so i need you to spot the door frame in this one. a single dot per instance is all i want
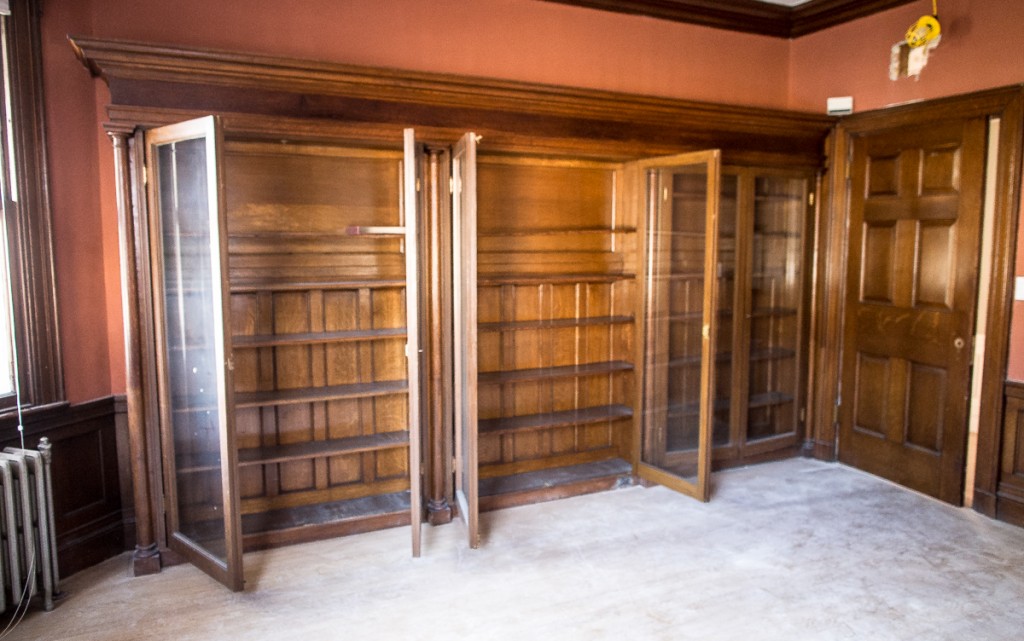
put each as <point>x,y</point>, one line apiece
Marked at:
<point>831,255</point>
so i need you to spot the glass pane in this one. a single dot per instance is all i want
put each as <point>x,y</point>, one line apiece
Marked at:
<point>775,300</point>
<point>194,341</point>
<point>727,207</point>
<point>675,299</point>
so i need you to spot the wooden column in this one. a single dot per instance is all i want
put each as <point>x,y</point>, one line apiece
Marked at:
<point>146,557</point>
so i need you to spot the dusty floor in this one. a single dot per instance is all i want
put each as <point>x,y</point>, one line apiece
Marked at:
<point>790,551</point>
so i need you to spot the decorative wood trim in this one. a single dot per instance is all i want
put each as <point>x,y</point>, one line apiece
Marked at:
<point>28,222</point>
<point>997,341</point>
<point>145,558</point>
<point>1007,502</point>
<point>165,77</point>
<point>748,16</point>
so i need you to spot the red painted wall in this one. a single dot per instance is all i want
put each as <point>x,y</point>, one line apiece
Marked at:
<point>511,39</point>
<point>982,46</point>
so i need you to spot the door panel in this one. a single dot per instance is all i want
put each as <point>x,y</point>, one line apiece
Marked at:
<point>188,237</point>
<point>915,217</point>
<point>467,487</point>
<point>680,200</point>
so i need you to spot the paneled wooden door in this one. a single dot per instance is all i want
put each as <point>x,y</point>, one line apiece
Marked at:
<point>915,219</point>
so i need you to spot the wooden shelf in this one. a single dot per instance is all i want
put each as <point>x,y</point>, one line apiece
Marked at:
<point>378,230</point>
<point>554,323</point>
<point>554,279</point>
<point>313,338</point>
<point>248,287</point>
<point>310,516</point>
<point>566,371</point>
<point>616,468</point>
<point>769,399</point>
<point>776,234</point>
<point>314,394</point>
<point>564,418</point>
<point>764,312</point>
<point>321,449</point>
<point>771,353</point>
<point>554,231</point>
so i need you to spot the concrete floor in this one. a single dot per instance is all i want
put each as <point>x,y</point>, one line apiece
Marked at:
<point>790,551</point>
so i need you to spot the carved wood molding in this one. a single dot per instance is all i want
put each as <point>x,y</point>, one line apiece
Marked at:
<point>169,77</point>
<point>746,15</point>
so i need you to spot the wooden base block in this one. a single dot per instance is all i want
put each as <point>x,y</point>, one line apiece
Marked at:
<point>146,560</point>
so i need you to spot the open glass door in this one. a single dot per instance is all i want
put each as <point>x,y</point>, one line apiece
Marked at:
<point>410,220</point>
<point>677,198</point>
<point>467,488</point>
<point>189,258</point>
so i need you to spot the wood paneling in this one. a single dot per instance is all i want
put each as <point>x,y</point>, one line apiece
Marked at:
<point>1010,489</point>
<point>92,502</point>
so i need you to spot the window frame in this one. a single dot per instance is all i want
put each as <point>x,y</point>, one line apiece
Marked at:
<point>29,231</point>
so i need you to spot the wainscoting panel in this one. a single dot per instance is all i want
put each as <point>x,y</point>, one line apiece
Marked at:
<point>87,477</point>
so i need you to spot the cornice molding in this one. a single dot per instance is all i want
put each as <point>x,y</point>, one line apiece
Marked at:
<point>170,77</point>
<point>747,16</point>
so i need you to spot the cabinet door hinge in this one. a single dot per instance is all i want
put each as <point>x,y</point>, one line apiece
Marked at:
<point>451,184</point>
<point>810,199</point>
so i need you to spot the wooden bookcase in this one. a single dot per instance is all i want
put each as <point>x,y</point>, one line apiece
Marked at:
<point>317,288</point>
<point>555,321</point>
<point>305,256</point>
<point>764,218</point>
<point>535,327</point>
<point>767,217</point>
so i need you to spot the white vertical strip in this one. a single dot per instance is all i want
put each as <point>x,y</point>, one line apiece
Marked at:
<point>984,294</point>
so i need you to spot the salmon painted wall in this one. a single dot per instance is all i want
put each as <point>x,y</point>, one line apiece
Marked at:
<point>511,39</point>
<point>982,46</point>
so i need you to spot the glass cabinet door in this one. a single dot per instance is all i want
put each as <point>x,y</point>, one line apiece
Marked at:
<point>774,309</point>
<point>680,312</point>
<point>188,254</point>
<point>464,246</point>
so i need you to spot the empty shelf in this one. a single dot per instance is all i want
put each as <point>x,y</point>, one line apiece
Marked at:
<point>313,394</point>
<point>555,419</point>
<point>312,338</point>
<point>567,371</point>
<point>318,449</point>
<point>555,323</point>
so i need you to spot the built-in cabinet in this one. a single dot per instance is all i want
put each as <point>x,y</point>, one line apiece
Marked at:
<point>612,321</point>
<point>602,311</point>
<point>285,286</point>
<point>766,217</point>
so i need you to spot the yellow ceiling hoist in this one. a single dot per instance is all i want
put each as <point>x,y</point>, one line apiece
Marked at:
<point>925,30</point>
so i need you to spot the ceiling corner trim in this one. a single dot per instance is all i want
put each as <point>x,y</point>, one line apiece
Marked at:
<point>747,16</point>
